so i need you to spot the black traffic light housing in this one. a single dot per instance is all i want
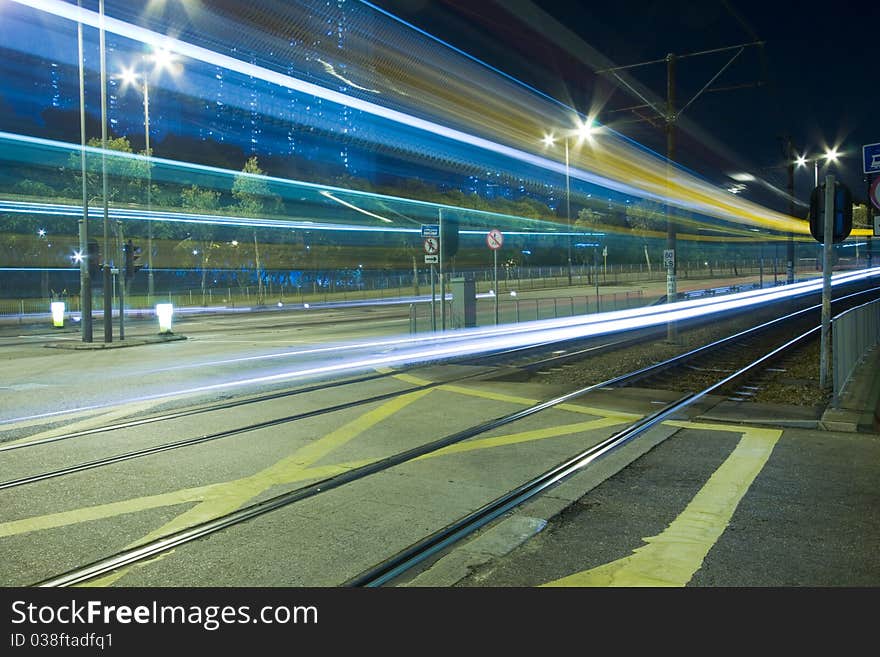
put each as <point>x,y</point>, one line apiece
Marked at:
<point>93,260</point>
<point>132,254</point>
<point>449,235</point>
<point>842,213</point>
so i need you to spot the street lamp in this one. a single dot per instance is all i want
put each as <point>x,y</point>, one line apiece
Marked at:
<point>584,131</point>
<point>831,156</point>
<point>162,59</point>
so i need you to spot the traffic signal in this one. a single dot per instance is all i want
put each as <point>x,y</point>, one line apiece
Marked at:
<point>93,260</point>
<point>132,254</point>
<point>843,205</point>
<point>449,235</point>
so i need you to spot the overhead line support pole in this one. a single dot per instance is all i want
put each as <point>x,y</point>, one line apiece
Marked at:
<point>671,287</point>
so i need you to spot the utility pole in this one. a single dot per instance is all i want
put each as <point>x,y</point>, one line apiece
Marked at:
<point>671,287</point>
<point>670,116</point>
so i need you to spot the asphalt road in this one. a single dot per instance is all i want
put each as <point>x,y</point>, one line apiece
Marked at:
<point>688,514</point>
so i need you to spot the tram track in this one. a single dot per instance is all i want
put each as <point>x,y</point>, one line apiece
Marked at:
<point>157,547</point>
<point>520,358</point>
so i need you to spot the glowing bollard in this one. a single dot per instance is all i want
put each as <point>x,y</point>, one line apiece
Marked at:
<point>164,311</point>
<point>57,313</point>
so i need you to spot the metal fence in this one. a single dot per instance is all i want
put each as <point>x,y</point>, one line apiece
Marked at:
<point>854,333</point>
<point>511,311</point>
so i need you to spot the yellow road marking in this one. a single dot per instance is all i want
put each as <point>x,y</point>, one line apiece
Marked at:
<point>230,496</point>
<point>217,499</point>
<point>84,424</point>
<point>524,437</point>
<point>672,557</point>
<point>512,399</point>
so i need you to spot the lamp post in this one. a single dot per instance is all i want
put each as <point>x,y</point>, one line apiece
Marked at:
<point>162,59</point>
<point>108,297</point>
<point>85,276</point>
<point>584,131</point>
<point>830,156</point>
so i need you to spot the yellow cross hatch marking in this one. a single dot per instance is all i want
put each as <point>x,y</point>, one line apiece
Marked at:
<point>672,557</point>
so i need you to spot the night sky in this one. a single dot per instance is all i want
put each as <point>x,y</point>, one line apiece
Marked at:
<point>815,76</point>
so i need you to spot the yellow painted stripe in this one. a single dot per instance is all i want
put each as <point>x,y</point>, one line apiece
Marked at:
<point>228,497</point>
<point>520,401</point>
<point>87,423</point>
<point>672,557</point>
<point>415,380</point>
<point>232,495</point>
<point>524,437</point>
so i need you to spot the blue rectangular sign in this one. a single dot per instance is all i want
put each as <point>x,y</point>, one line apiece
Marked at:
<point>430,230</point>
<point>871,158</point>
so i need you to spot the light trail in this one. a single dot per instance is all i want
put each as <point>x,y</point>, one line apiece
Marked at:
<point>73,210</point>
<point>483,341</point>
<point>611,162</point>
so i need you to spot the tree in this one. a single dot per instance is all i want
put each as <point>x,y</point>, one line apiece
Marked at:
<point>201,237</point>
<point>254,198</point>
<point>646,217</point>
<point>126,175</point>
<point>252,192</point>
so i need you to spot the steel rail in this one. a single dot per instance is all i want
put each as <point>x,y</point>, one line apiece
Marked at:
<point>197,440</point>
<point>432,545</point>
<point>154,548</point>
<point>117,426</point>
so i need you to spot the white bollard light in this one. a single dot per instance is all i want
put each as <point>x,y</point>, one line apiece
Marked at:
<point>57,308</point>
<point>164,311</point>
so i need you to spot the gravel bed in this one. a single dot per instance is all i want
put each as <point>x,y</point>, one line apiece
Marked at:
<point>792,380</point>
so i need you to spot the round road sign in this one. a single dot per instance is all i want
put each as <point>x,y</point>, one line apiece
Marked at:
<point>875,193</point>
<point>494,239</point>
<point>432,245</point>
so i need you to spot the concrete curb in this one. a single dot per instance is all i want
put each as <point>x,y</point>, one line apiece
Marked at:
<point>135,342</point>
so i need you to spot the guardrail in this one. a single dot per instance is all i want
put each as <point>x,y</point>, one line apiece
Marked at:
<point>853,334</point>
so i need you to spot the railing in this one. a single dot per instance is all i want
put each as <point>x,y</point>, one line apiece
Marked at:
<point>853,334</point>
<point>373,286</point>
<point>512,311</point>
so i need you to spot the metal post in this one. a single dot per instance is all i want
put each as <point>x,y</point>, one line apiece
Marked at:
<point>761,264</point>
<point>150,288</point>
<point>442,280</point>
<point>790,264</point>
<point>825,355</point>
<point>260,274</point>
<point>415,278</point>
<point>108,297</point>
<point>121,277</point>
<point>495,258</point>
<point>568,207</point>
<point>671,291</point>
<point>85,275</point>
<point>433,301</point>
<point>869,210</point>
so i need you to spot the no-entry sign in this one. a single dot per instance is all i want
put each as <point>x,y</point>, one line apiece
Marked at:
<point>494,239</point>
